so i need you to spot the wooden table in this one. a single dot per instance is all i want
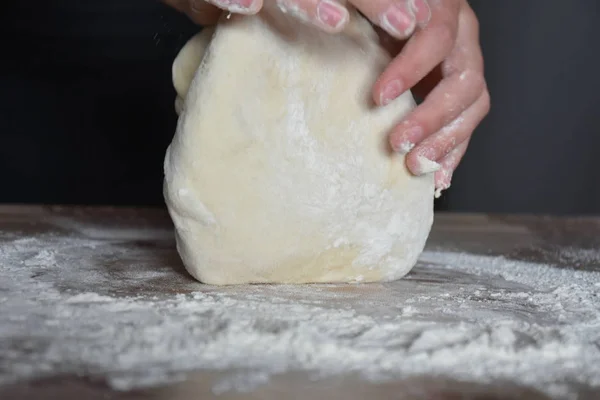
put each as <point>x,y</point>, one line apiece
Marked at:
<point>144,240</point>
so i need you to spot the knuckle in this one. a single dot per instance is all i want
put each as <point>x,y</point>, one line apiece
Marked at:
<point>471,16</point>
<point>476,79</point>
<point>486,101</point>
<point>478,61</point>
<point>449,68</point>
<point>475,24</point>
<point>445,34</point>
<point>472,20</point>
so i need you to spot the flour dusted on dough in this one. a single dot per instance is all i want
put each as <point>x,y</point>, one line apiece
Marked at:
<point>280,169</point>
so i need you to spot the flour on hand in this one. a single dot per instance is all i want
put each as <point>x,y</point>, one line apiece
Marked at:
<point>280,170</point>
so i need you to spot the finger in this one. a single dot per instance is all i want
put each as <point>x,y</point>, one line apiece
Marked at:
<point>235,6</point>
<point>426,49</point>
<point>421,11</point>
<point>203,13</point>
<point>328,15</point>
<point>396,17</point>
<point>444,105</point>
<point>443,177</point>
<point>461,85</point>
<point>435,148</point>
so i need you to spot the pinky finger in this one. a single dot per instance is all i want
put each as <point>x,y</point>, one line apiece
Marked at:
<point>425,157</point>
<point>449,162</point>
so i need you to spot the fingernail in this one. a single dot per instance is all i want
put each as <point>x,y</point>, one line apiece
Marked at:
<point>403,141</point>
<point>444,180</point>
<point>398,21</point>
<point>413,134</point>
<point>292,8</point>
<point>439,190</point>
<point>332,14</point>
<point>426,166</point>
<point>421,10</point>
<point>391,92</point>
<point>405,147</point>
<point>236,6</point>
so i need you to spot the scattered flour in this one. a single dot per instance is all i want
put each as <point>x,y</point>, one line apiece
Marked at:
<point>480,318</point>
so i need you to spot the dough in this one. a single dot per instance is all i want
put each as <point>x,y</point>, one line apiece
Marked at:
<point>280,169</point>
<point>186,64</point>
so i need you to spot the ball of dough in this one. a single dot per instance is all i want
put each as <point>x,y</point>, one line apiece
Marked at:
<point>280,169</point>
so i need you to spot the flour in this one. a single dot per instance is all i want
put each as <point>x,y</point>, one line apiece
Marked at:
<point>452,127</point>
<point>457,315</point>
<point>426,166</point>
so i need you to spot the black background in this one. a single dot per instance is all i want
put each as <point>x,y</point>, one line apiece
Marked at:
<point>86,105</point>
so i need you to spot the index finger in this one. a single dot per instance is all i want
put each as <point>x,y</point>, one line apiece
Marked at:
<point>425,50</point>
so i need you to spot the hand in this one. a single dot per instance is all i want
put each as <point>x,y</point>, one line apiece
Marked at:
<point>442,63</point>
<point>398,17</point>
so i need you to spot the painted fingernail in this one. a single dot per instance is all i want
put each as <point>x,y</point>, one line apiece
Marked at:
<point>421,10</point>
<point>398,21</point>
<point>332,14</point>
<point>235,6</point>
<point>391,92</point>
<point>426,166</point>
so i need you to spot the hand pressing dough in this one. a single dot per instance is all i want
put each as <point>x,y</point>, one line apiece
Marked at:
<point>280,171</point>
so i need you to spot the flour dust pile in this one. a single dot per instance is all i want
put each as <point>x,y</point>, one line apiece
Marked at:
<point>63,311</point>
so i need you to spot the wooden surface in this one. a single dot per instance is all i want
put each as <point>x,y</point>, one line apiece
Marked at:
<point>520,238</point>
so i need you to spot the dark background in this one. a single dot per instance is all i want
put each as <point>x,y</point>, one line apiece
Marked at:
<point>86,105</point>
